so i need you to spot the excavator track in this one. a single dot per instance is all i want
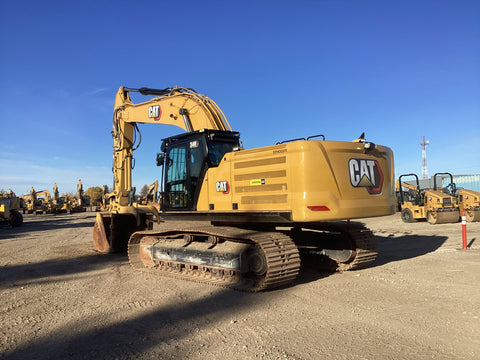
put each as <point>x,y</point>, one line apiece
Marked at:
<point>339,247</point>
<point>273,259</point>
<point>365,251</point>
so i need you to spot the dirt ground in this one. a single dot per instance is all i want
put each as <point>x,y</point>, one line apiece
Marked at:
<point>61,299</point>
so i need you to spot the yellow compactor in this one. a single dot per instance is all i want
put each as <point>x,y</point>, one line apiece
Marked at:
<point>244,216</point>
<point>434,205</point>
<point>467,200</point>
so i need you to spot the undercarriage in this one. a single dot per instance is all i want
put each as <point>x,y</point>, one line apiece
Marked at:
<point>249,259</point>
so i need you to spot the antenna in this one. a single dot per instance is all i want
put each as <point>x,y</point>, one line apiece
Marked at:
<point>424,158</point>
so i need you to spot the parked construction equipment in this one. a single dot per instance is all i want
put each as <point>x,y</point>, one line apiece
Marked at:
<point>151,197</point>
<point>42,202</point>
<point>37,202</point>
<point>431,204</point>
<point>62,204</point>
<point>261,207</point>
<point>151,194</point>
<point>467,200</point>
<point>10,206</point>
<point>79,202</point>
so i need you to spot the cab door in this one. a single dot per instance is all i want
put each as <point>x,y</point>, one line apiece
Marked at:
<point>183,173</point>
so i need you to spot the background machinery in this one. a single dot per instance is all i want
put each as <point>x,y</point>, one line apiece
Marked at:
<point>62,204</point>
<point>244,215</point>
<point>434,205</point>
<point>151,195</point>
<point>467,200</point>
<point>10,206</point>
<point>37,202</point>
<point>70,203</point>
<point>79,202</point>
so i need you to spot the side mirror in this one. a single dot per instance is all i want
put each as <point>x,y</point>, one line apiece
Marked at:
<point>160,159</point>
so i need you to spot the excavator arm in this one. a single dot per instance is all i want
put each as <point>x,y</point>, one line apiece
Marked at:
<point>177,106</point>
<point>152,191</point>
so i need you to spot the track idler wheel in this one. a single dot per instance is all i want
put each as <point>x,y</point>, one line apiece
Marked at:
<point>257,263</point>
<point>359,250</point>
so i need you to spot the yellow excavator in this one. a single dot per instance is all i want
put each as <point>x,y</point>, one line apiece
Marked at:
<point>64,203</point>
<point>10,206</point>
<point>244,216</point>
<point>38,202</point>
<point>151,195</point>
<point>434,205</point>
<point>468,200</point>
<point>79,202</point>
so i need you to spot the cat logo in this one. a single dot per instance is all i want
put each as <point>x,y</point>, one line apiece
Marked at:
<point>154,112</point>
<point>223,186</point>
<point>366,173</point>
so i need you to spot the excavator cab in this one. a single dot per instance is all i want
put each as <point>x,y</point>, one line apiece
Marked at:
<point>186,159</point>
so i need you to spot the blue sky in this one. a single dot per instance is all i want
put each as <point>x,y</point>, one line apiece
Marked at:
<point>396,70</point>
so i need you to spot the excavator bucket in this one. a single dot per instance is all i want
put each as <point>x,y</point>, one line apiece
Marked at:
<point>101,233</point>
<point>111,232</point>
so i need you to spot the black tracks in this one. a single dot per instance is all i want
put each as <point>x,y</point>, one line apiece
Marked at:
<point>279,251</point>
<point>281,255</point>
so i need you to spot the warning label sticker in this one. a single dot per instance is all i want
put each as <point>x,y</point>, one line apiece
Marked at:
<point>255,182</point>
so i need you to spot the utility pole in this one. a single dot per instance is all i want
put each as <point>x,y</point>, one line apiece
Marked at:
<point>424,158</point>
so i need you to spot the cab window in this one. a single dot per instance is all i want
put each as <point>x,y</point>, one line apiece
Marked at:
<point>216,151</point>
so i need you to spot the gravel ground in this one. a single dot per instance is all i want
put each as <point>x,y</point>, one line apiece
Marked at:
<point>61,299</point>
